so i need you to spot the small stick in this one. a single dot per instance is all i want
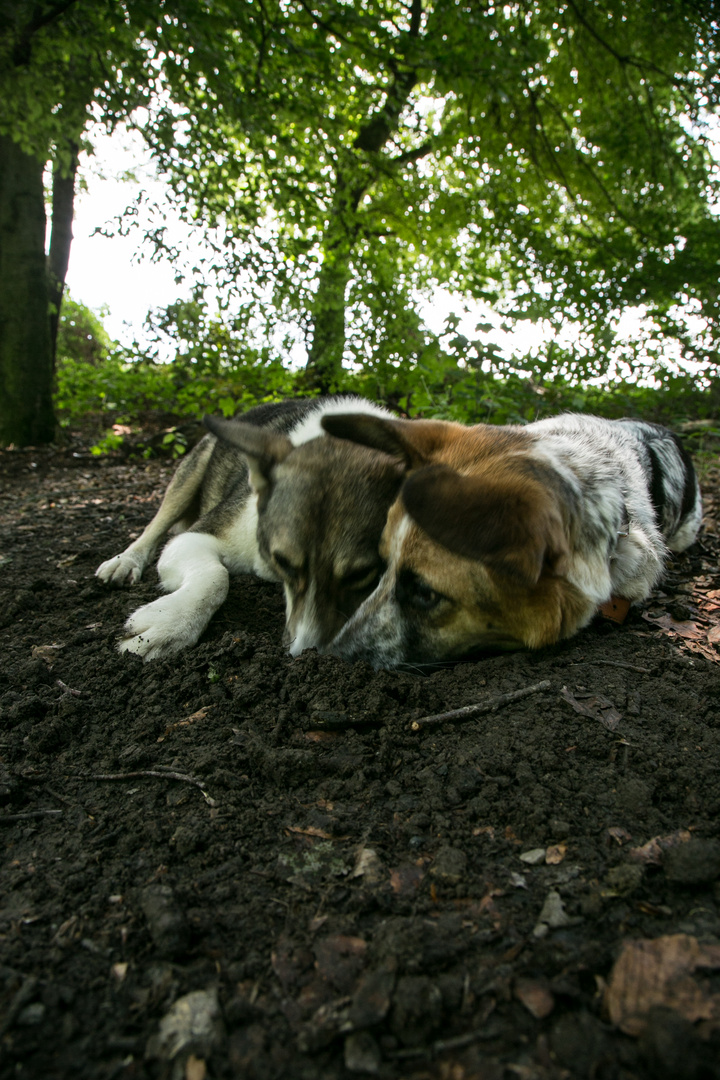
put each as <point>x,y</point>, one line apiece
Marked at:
<point>28,814</point>
<point>151,772</point>
<point>490,705</point>
<point>60,798</point>
<point>68,689</point>
<point>619,663</point>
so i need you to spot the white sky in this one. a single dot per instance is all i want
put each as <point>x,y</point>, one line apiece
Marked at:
<point>109,271</point>
<point>115,273</point>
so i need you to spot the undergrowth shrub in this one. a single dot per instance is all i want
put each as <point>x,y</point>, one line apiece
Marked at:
<point>106,389</point>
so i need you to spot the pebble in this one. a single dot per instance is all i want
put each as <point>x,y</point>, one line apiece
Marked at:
<point>625,878</point>
<point>369,866</point>
<point>31,1015</point>
<point>362,1053</point>
<point>534,857</point>
<point>371,1000</point>
<point>191,1026</point>
<point>552,916</point>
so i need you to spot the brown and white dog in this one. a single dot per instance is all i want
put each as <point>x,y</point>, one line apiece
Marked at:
<point>269,494</point>
<point>515,536</point>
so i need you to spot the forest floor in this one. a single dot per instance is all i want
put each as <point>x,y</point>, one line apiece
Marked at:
<point>238,864</point>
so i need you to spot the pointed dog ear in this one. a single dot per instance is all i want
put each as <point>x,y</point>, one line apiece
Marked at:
<point>513,526</point>
<point>262,447</point>
<point>411,442</point>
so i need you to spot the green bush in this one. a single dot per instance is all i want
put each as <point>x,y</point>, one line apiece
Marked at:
<point>100,384</point>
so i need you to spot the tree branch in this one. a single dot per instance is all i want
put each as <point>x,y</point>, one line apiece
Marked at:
<point>581,160</point>
<point>374,134</point>
<point>413,155</point>
<point>23,46</point>
<point>641,65</point>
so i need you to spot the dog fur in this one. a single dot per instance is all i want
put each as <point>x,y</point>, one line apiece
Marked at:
<point>269,494</point>
<point>514,536</point>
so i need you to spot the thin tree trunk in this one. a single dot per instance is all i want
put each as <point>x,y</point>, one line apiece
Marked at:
<point>355,174</point>
<point>328,343</point>
<point>26,412</point>
<point>324,364</point>
<point>63,199</point>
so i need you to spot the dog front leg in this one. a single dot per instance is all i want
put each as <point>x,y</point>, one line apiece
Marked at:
<point>196,582</point>
<point>128,566</point>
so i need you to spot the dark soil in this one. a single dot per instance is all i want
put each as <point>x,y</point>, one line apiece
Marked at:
<point>341,894</point>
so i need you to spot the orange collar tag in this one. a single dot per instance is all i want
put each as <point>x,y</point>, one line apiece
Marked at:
<point>616,609</point>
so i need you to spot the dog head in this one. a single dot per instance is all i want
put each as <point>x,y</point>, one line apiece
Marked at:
<point>476,545</point>
<point>322,507</point>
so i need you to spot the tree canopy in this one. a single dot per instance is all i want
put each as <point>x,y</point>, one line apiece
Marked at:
<point>550,159</point>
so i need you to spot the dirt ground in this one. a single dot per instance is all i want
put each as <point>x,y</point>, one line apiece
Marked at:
<point>236,864</point>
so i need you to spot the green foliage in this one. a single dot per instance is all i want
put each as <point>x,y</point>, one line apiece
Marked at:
<point>57,61</point>
<point>176,442</point>
<point>110,442</point>
<point>450,378</point>
<point>550,159</point>
<point>100,383</point>
<point>122,388</point>
<point>63,64</point>
<point>201,343</point>
<point>81,334</point>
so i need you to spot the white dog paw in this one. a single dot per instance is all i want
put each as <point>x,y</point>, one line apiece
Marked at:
<point>159,629</point>
<point>122,569</point>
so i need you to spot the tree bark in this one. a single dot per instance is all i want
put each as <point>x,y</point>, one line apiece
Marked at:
<point>328,343</point>
<point>354,176</point>
<point>26,411</point>
<point>63,200</point>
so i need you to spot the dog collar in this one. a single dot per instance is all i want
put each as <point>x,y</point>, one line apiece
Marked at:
<point>616,609</point>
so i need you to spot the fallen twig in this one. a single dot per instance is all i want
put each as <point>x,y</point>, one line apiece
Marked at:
<point>469,711</point>
<point>68,689</point>
<point>28,814</point>
<point>160,774</point>
<point>60,798</point>
<point>620,664</point>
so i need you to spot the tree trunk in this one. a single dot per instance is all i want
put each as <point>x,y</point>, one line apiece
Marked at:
<point>324,364</point>
<point>355,173</point>
<point>26,412</point>
<point>328,344</point>
<point>63,199</point>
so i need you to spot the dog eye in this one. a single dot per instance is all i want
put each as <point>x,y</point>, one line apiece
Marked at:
<point>362,578</point>
<point>284,565</point>
<point>413,591</point>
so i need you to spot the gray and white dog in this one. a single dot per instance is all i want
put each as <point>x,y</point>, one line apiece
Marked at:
<point>516,536</point>
<point>269,494</point>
